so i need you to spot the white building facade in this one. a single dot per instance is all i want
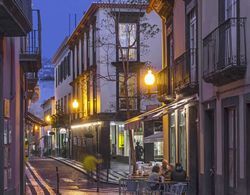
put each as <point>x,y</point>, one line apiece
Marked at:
<point>98,76</point>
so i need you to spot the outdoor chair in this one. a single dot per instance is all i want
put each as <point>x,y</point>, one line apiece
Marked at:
<point>153,188</point>
<point>175,189</point>
<point>128,186</point>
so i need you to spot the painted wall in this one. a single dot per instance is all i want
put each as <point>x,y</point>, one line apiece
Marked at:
<point>64,88</point>
<point>238,88</point>
<point>149,54</point>
<point>11,91</point>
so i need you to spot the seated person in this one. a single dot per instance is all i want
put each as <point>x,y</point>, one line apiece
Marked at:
<point>178,174</point>
<point>166,169</point>
<point>155,178</point>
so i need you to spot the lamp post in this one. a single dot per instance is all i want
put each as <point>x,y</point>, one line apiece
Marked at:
<point>48,120</point>
<point>75,106</point>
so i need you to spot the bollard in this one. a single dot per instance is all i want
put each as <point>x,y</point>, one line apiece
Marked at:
<point>97,178</point>
<point>57,182</point>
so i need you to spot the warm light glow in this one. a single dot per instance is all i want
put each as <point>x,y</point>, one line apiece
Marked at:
<point>149,78</point>
<point>36,127</point>
<point>75,104</point>
<point>86,125</point>
<point>48,118</point>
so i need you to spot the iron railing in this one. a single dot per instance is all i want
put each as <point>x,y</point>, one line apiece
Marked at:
<point>163,81</point>
<point>31,76</point>
<point>31,44</point>
<point>185,69</point>
<point>225,47</point>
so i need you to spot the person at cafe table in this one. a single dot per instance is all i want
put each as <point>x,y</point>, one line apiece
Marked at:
<point>178,174</point>
<point>155,177</point>
<point>166,168</point>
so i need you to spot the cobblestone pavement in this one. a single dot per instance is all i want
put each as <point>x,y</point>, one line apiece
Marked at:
<point>41,179</point>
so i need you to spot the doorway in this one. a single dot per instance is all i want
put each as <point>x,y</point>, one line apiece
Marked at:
<point>230,150</point>
<point>209,152</point>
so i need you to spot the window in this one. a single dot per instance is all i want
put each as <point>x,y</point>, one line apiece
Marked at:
<point>128,41</point>
<point>170,59</point>
<point>230,9</point>
<point>182,140</point>
<point>68,63</point>
<point>56,78</point>
<point>77,59</point>
<point>73,63</point>
<point>7,154</point>
<point>82,53</point>
<point>172,140</point>
<point>132,91</point>
<point>192,43</point>
<point>94,92</point>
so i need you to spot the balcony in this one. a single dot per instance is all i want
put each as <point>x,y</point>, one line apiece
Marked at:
<point>164,88</point>
<point>224,53</point>
<point>185,73</point>
<point>16,17</point>
<point>31,83</point>
<point>30,53</point>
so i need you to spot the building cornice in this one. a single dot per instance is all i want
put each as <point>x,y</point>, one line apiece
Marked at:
<point>92,10</point>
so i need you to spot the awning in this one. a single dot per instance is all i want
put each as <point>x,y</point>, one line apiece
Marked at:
<point>158,112</point>
<point>157,137</point>
<point>34,119</point>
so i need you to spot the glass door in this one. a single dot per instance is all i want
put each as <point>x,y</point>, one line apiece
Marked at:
<point>182,143</point>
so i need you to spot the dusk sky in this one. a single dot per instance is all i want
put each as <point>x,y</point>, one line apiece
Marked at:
<point>55,21</point>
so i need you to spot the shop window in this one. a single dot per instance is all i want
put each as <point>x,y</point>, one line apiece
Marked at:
<point>158,149</point>
<point>121,140</point>
<point>7,154</point>
<point>172,140</point>
<point>182,140</point>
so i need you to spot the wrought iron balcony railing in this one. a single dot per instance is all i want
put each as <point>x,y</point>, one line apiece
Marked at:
<point>30,53</point>
<point>224,53</point>
<point>164,84</point>
<point>31,83</point>
<point>185,72</point>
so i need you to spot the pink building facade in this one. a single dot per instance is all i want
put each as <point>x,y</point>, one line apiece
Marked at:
<point>18,61</point>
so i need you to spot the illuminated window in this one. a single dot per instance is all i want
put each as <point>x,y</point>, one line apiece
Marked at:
<point>172,140</point>
<point>128,42</point>
<point>132,91</point>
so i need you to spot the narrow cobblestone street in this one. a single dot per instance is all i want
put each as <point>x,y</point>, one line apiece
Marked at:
<point>72,182</point>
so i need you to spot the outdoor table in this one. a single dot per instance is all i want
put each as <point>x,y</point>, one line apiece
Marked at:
<point>140,184</point>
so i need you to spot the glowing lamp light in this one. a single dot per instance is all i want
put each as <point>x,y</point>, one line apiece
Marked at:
<point>75,104</point>
<point>149,78</point>
<point>48,118</point>
<point>36,127</point>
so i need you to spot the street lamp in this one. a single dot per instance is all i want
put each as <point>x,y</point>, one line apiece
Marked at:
<point>149,78</point>
<point>48,118</point>
<point>75,104</point>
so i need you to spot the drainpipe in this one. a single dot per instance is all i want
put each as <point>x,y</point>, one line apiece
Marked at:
<point>1,119</point>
